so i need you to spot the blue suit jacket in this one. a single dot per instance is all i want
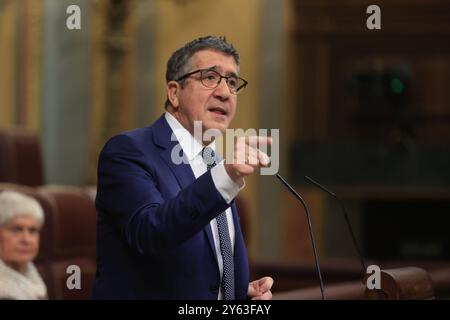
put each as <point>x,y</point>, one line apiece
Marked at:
<point>154,240</point>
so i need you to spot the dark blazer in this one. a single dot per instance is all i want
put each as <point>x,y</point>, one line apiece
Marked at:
<point>154,240</point>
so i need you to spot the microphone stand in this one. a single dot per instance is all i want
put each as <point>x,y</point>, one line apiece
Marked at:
<point>308,216</point>
<point>363,265</point>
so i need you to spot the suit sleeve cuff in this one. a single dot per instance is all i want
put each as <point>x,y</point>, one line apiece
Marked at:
<point>224,184</point>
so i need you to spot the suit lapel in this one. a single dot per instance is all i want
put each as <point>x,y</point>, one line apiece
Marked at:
<point>162,134</point>
<point>183,172</point>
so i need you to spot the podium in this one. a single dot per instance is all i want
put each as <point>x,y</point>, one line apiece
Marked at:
<point>402,283</point>
<point>405,283</point>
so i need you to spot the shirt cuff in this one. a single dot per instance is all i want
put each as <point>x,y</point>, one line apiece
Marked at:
<point>227,188</point>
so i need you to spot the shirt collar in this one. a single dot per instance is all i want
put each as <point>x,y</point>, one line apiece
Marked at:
<point>191,147</point>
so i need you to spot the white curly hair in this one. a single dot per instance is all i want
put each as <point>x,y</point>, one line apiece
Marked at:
<point>14,204</point>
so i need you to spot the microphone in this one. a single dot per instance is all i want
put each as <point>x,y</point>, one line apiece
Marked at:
<point>344,211</point>
<point>311,234</point>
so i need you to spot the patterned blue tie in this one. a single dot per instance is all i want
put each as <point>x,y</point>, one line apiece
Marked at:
<point>224,238</point>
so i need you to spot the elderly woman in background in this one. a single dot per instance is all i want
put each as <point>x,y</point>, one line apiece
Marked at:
<point>21,219</point>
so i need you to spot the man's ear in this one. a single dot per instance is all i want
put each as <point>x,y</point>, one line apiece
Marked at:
<point>173,89</point>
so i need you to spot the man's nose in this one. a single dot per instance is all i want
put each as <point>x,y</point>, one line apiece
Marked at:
<point>222,91</point>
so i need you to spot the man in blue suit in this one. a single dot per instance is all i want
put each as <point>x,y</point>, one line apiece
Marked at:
<point>169,229</point>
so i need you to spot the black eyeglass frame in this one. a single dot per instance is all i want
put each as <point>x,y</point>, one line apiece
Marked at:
<point>238,90</point>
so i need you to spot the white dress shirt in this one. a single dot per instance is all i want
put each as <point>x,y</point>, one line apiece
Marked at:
<point>224,184</point>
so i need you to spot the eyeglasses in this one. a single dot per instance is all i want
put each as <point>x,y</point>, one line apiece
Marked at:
<point>211,79</point>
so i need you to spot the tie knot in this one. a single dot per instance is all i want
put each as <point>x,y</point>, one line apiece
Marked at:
<point>208,156</point>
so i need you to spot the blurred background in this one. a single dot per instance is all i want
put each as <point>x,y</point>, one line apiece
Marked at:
<point>364,112</point>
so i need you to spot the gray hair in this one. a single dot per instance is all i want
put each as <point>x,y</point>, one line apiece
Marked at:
<point>14,204</point>
<point>178,64</point>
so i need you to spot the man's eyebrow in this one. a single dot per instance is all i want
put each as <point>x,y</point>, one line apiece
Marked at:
<point>228,74</point>
<point>232,74</point>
